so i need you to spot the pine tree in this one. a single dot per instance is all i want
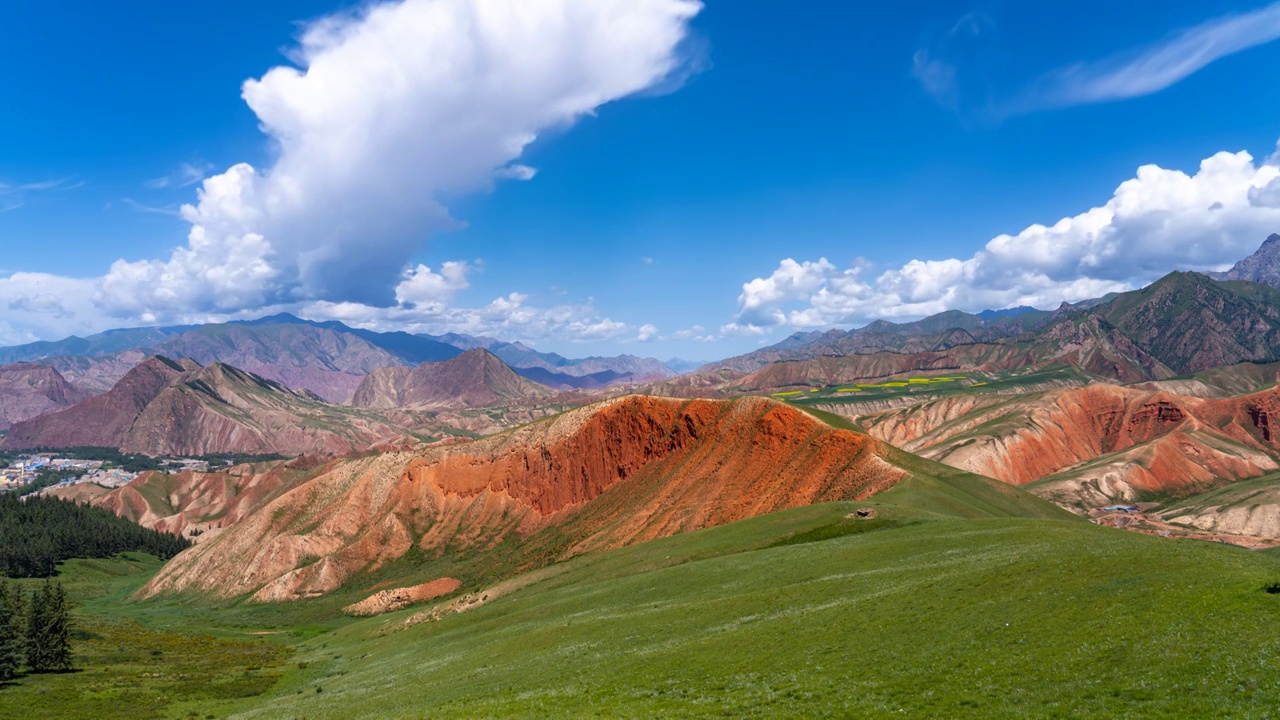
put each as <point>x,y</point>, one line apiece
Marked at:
<point>11,630</point>
<point>37,621</point>
<point>58,631</point>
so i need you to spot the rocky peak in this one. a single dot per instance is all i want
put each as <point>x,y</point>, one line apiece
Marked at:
<point>1263,266</point>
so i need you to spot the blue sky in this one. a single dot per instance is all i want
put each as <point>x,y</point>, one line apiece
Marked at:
<point>879,150</point>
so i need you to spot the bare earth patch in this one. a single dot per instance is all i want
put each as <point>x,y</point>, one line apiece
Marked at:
<point>400,598</point>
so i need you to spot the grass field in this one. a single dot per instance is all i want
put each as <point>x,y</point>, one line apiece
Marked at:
<point>945,618</point>
<point>128,670</point>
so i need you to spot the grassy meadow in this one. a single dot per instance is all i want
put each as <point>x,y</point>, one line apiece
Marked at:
<point>960,598</point>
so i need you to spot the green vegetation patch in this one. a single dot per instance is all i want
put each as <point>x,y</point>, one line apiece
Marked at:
<point>38,532</point>
<point>127,670</point>
<point>956,619</point>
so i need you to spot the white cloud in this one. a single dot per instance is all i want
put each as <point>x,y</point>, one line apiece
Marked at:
<point>388,110</point>
<point>1160,220</point>
<point>185,175</point>
<point>951,70</point>
<point>1158,66</point>
<point>394,106</point>
<point>422,287</point>
<point>696,332</point>
<point>14,195</point>
<point>648,333</point>
<point>743,330</point>
<point>758,304</point>
<point>510,317</point>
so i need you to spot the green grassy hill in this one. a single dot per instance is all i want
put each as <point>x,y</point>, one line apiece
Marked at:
<point>942,618</point>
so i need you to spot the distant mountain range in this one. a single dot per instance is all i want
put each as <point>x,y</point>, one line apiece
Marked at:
<point>1181,324</point>
<point>176,408</point>
<point>476,378</point>
<point>166,407</point>
<point>329,359</point>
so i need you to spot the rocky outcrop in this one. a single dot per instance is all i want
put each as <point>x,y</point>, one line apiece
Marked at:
<point>401,598</point>
<point>476,378</point>
<point>615,473</point>
<point>28,390</point>
<point>1263,266</point>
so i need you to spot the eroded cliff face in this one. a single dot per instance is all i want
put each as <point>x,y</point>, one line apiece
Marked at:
<point>1096,444</point>
<point>611,474</point>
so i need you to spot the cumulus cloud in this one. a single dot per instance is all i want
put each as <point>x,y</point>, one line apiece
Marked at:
<point>952,70</point>
<point>516,172</point>
<point>386,111</point>
<point>401,103</point>
<point>1158,221</point>
<point>648,333</point>
<point>422,287</point>
<point>511,317</point>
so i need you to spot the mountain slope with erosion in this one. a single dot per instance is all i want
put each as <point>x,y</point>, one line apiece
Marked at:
<point>1094,445</point>
<point>616,473</point>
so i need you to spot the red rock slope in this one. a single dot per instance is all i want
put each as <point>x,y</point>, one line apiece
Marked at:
<point>1098,443</point>
<point>619,472</point>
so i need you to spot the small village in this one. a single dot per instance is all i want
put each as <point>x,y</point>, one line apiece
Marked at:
<point>25,469</point>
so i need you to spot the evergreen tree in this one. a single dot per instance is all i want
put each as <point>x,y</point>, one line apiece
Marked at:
<point>38,532</point>
<point>58,631</point>
<point>37,611</point>
<point>49,629</point>
<point>11,630</point>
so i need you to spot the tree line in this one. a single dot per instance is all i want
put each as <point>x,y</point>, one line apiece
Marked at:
<point>38,532</point>
<point>35,629</point>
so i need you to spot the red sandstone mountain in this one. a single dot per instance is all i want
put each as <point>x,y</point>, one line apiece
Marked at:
<point>1095,445</point>
<point>28,390</point>
<point>163,407</point>
<point>476,378</point>
<point>620,472</point>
